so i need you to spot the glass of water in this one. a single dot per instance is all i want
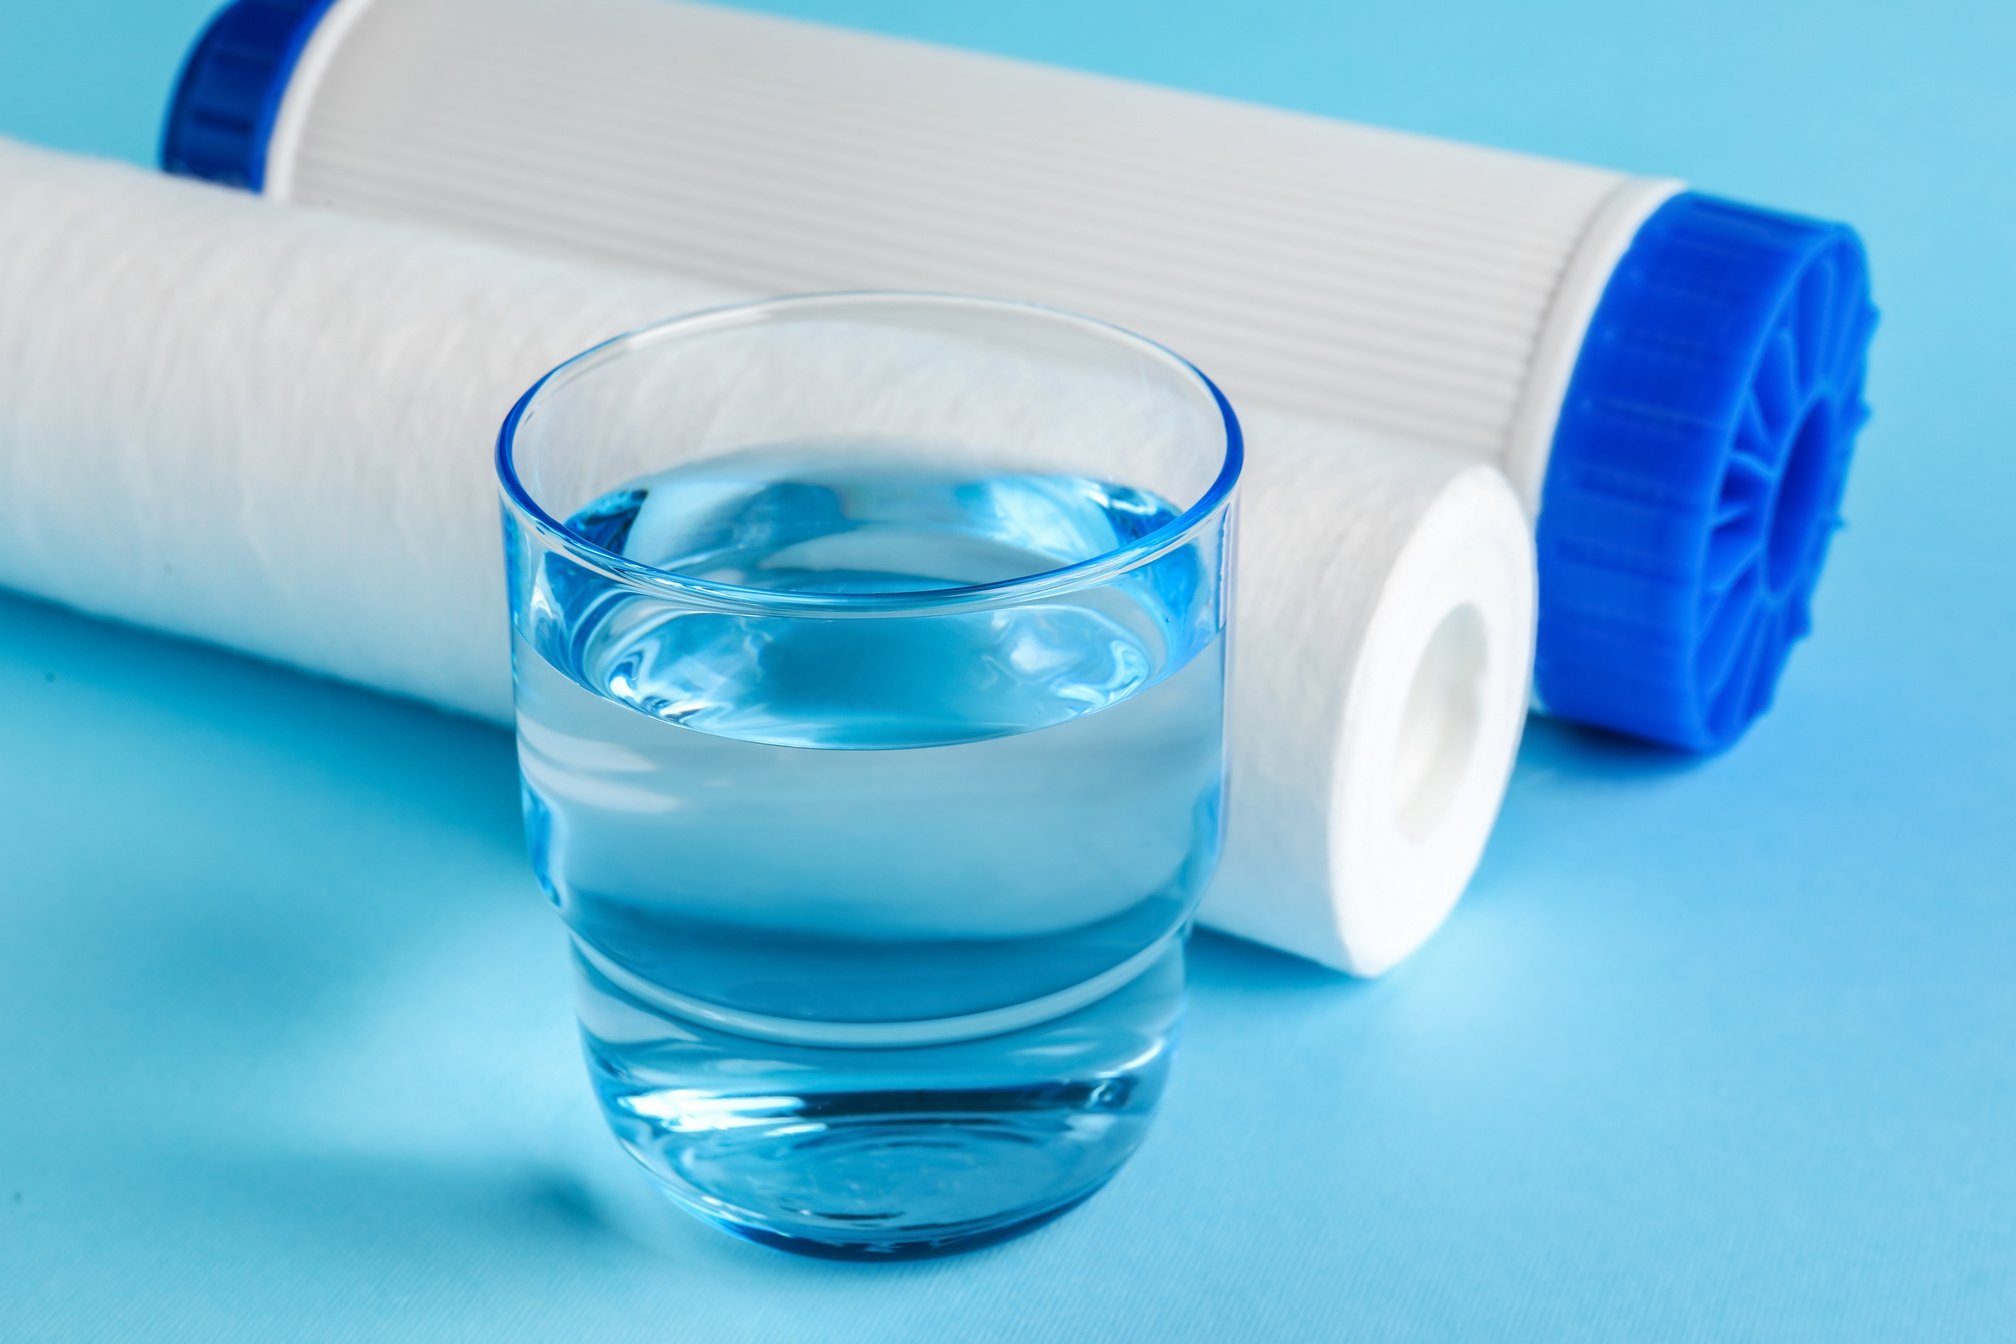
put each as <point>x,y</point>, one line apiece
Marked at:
<point>870,657</point>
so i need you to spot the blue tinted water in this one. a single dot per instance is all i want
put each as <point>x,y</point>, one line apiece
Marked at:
<point>878,919</point>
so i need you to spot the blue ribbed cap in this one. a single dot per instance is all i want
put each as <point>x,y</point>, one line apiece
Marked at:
<point>1697,470</point>
<point>221,116</point>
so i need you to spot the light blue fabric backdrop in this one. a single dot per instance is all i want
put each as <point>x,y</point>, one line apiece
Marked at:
<point>1712,1051</point>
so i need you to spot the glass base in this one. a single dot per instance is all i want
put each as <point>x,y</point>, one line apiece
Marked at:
<point>884,1154</point>
<point>899,1188</point>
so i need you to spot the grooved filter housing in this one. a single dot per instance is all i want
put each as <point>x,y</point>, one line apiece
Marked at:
<point>1673,383</point>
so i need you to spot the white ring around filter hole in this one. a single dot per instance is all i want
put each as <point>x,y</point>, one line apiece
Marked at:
<point>1432,726</point>
<point>1439,725</point>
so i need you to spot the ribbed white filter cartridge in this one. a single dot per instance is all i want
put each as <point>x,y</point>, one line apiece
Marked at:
<point>1391,282</point>
<point>1397,282</point>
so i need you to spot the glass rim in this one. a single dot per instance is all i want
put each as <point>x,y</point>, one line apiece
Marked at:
<point>712,593</point>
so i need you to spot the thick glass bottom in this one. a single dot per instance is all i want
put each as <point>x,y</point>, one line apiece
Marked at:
<point>884,1153</point>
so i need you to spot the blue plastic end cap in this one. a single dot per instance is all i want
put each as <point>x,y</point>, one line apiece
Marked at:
<point>221,116</point>
<point>1697,470</point>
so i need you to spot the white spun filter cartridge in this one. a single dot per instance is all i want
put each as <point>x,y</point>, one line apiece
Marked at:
<point>273,429</point>
<point>1672,382</point>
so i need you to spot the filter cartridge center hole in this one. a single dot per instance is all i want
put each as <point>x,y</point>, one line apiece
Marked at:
<point>1438,728</point>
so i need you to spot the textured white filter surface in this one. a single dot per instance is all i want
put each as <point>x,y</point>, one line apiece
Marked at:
<point>272,429</point>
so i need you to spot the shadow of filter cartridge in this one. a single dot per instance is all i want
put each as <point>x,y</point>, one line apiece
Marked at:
<point>1672,382</point>
<point>273,430</point>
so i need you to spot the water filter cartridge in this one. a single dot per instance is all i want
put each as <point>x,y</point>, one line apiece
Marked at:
<point>274,430</point>
<point>1672,382</point>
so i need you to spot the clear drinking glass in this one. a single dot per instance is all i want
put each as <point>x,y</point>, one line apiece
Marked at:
<point>870,664</point>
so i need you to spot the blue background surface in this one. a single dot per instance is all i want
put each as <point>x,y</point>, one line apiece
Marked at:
<point>1712,1051</point>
